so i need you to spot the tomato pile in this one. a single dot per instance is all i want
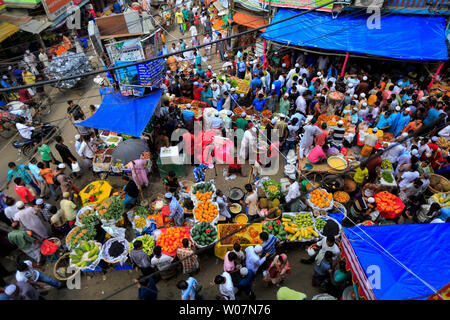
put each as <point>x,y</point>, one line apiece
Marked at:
<point>171,239</point>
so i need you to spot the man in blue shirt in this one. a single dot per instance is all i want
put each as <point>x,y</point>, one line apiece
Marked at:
<point>20,171</point>
<point>394,119</point>
<point>432,115</point>
<point>276,85</point>
<point>188,116</point>
<point>201,73</point>
<point>245,283</point>
<point>117,7</point>
<point>147,289</point>
<point>17,72</point>
<point>199,172</point>
<point>182,45</point>
<point>259,103</point>
<point>268,244</point>
<point>189,289</point>
<point>255,81</point>
<point>385,121</point>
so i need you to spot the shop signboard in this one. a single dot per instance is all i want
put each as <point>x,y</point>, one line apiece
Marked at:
<point>55,8</point>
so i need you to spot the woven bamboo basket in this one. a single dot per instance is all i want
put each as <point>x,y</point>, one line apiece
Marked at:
<point>63,262</point>
<point>187,183</point>
<point>437,179</point>
<point>153,198</point>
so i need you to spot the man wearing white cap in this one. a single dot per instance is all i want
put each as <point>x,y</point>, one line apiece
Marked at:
<point>254,258</point>
<point>217,123</point>
<point>176,210</point>
<point>9,293</point>
<point>293,192</point>
<point>245,283</point>
<point>29,220</point>
<point>362,87</point>
<point>393,118</point>
<point>44,209</point>
<point>248,143</point>
<point>350,89</point>
<point>63,180</point>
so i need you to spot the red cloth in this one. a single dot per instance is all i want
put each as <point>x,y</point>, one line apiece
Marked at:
<point>25,96</point>
<point>198,93</point>
<point>24,194</point>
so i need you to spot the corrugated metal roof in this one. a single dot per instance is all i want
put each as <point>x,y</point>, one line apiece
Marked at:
<point>35,26</point>
<point>7,30</point>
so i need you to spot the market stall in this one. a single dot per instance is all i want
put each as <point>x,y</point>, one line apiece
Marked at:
<point>385,270</point>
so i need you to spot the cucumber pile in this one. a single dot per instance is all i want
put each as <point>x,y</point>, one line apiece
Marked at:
<point>204,233</point>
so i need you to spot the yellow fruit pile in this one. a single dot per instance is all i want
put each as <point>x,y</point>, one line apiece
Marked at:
<point>321,198</point>
<point>206,211</point>
<point>203,196</point>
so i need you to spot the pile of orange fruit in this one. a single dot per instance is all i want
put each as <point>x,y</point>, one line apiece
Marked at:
<point>203,196</point>
<point>320,198</point>
<point>171,239</point>
<point>206,211</point>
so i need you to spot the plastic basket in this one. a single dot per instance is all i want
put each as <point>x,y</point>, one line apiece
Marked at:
<point>63,262</point>
<point>117,169</point>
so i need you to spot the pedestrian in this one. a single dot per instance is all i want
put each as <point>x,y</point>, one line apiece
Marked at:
<point>245,283</point>
<point>269,242</point>
<point>69,208</point>
<point>26,273</point>
<point>47,174</point>
<point>188,258</point>
<point>29,220</point>
<point>199,172</point>
<point>9,293</point>
<point>138,170</point>
<point>163,263</point>
<point>189,289</point>
<point>74,110</point>
<point>22,191</point>
<point>34,169</point>
<point>240,253</point>
<point>232,266</point>
<point>66,155</point>
<point>63,181</point>
<point>220,48</point>
<point>275,273</point>
<point>20,171</point>
<point>78,142</point>
<point>58,221</point>
<point>46,154</point>
<point>139,259</point>
<point>176,210</point>
<point>223,203</point>
<point>86,153</point>
<point>322,271</point>
<point>147,289</point>
<point>43,209</point>
<point>29,245</point>
<point>226,287</point>
<point>254,257</point>
<point>11,209</point>
<point>179,18</point>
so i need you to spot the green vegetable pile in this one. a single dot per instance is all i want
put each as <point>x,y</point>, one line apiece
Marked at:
<point>115,210</point>
<point>203,187</point>
<point>275,228</point>
<point>272,189</point>
<point>320,223</point>
<point>147,244</point>
<point>303,220</point>
<point>141,211</point>
<point>387,176</point>
<point>204,233</point>
<point>85,254</point>
<point>386,164</point>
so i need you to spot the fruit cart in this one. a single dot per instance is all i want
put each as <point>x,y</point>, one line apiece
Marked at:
<point>246,237</point>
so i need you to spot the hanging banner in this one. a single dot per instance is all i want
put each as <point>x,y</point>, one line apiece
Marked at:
<point>55,8</point>
<point>150,74</point>
<point>299,4</point>
<point>127,76</point>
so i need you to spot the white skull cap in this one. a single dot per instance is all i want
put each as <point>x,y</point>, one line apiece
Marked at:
<point>434,139</point>
<point>297,65</point>
<point>364,104</point>
<point>254,129</point>
<point>409,102</point>
<point>362,95</point>
<point>283,65</point>
<point>364,78</point>
<point>375,130</point>
<point>188,106</point>
<point>371,200</point>
<point>340,122</point>
<point>243,114</point>
<point>397,108</point>
<point>319,74</point>
<point>355,96</point>
<point>350,85</point>
<point>258,249</point>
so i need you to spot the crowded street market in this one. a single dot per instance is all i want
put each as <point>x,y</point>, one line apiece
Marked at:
<point>207,152</point>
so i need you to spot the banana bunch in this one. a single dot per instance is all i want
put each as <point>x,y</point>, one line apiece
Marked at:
<point>85,254</point>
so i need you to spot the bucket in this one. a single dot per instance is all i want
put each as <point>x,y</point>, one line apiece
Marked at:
<point>84,43</point>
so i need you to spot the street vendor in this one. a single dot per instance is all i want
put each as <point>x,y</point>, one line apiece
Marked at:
<point>130,191</point>
<point>176,210</point>
<point>292,198</point>
<point>224,204</point>
<point>361,209</point>
<point>199,172</point>
<point>171,183</point>
<point>252,202</point>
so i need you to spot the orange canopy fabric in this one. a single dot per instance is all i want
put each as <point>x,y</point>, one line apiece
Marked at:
<point>249,20</point>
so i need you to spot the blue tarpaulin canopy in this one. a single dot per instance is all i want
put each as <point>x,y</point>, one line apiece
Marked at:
<point>126,115</point>
<point>399,36</point>
<point>421,248</point>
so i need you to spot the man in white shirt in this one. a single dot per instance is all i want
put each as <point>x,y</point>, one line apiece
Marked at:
<point>300,104</point>
<point>43,57</point>
<point>253,259</point>
<point>226,287</point>
<point>26,273</point>
<point>86,153</point>
<point>293,190</point>
<point>26,131</point>
<point>324,245</point>
<point>161,261</point>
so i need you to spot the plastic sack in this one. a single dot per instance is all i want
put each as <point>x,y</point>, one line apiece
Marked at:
<point>76,167</point>
<point>121,258</point>
<point>114,231</point>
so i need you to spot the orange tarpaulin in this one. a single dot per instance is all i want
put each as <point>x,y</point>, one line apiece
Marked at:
<point>249,20</point>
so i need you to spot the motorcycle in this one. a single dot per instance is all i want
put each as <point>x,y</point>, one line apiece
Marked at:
<point>27,147</point>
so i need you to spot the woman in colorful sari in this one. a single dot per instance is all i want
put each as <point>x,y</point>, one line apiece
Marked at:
<point>277,270</point>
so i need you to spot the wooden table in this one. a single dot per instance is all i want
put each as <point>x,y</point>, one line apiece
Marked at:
<point>322,167</point>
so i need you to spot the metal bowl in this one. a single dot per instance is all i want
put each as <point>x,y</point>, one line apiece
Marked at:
<point>236,194</point>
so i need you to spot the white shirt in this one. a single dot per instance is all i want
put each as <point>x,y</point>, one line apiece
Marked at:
<point>30,274</point>
<point>408,177</point>
<point>227,289</point>
<point>293,191</point>
<point>24,130</point>
<point>322,61</point>
<point>300,103</point>
<point>334,249</point>
<point>43,58</point>
<point>206,41</point>
<point>445,132</point>
<point>193,30</point>
<point>371,140</point>
<point>85,151</point>
<point>161,263</point>
<point>252,260</point>
<point>11,211</point>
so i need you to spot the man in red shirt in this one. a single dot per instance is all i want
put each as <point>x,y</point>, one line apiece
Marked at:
<point>321,138</point>
<point>197,91</point>
<point>22,191</point>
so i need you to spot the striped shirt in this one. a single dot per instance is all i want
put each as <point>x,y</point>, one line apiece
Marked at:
<point>269,245</point>
<point>338,135</point>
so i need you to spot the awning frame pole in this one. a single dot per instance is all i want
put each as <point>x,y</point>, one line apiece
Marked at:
<point>345,63</point>
<point>434,78</point>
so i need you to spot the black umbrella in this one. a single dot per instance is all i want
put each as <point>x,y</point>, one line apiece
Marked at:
<point>128,150</point>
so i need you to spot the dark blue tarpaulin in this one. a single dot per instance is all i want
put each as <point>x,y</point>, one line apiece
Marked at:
<point>399,36</point>
<point>422,249</point>
<point>126,115</point>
